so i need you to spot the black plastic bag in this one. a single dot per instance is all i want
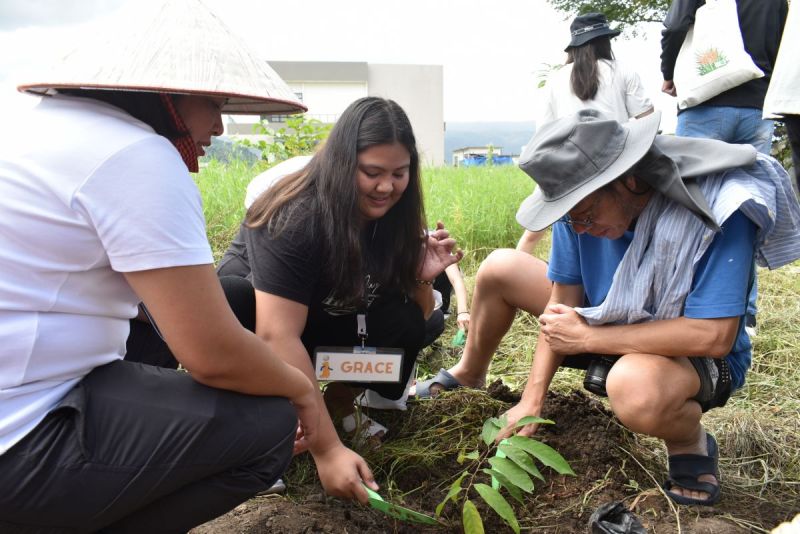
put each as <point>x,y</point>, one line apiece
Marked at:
<point>615,518</point>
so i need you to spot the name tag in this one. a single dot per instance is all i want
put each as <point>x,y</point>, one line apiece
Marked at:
<point>357,364</point>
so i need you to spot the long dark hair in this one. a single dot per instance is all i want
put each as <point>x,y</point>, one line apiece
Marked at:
<point>585,77</point>
<point>144,106</point>
<point>324,195</point>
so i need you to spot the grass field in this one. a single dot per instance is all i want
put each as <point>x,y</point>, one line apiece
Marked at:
<point>759,429</point>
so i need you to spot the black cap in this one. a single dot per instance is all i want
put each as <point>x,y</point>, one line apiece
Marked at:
<point>589,26</point>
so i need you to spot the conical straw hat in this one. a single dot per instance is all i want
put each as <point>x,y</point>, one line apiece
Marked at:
<point>180,47</point>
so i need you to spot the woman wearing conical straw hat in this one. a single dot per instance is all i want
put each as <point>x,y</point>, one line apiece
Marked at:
<point>99,214</point>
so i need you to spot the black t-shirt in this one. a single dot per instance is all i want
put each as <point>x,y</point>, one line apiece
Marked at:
<point>292,265</point>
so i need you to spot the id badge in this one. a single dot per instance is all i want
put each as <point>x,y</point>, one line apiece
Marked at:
<point>358,364</point>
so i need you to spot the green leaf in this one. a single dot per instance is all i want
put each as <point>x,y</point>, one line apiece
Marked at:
<point>513,473</point>
<point>521,458</point>
<point>474,455</point>
<point>471,519</point>
<point>531,420</point>
<point>544,453</point>
<point>499,505</point>
<point>490,429</point>
<point>455,489</point>
<point>498,480</point>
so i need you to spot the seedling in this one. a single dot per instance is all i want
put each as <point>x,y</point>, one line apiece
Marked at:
<point>397,511</point>
<point>511,464</point>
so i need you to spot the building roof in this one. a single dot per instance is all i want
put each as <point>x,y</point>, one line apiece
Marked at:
<point>321,71</point>
<point>484,147</point>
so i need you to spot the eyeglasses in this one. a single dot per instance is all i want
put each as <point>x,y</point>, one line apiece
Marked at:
<point>588,221</point>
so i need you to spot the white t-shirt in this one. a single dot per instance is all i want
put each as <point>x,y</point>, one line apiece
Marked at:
<point>264,181</point>
<point>620,94</point>
<point>86,193</point>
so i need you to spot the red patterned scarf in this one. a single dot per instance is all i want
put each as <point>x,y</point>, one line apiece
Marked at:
<point>184,142</point>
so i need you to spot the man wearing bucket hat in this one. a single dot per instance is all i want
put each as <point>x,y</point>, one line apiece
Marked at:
<point>654,240</point>
<point>99,212</point>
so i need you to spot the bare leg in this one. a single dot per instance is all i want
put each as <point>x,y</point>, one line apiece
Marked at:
<point>507,280</point>
<point>652,395</point>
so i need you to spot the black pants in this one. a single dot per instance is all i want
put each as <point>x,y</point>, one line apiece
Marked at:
<point>141,449</point>
<point>792,123</point>
<point>392,321</point>
<point>146,346</point>
<point>434,327</point>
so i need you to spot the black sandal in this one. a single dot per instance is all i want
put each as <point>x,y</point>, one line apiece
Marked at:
<point>685,469</point>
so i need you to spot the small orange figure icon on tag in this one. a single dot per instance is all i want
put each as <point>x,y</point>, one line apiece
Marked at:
<point>325,368</point>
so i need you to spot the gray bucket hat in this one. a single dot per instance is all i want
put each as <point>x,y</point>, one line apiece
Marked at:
<point>575,156</point>
<point>571,158</point>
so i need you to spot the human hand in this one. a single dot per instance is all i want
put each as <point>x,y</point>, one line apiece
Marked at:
<point>463,320</point>
<point>341,472</point>
<point>565,331</point>
<point>514,414</point>
<point>301,445</point>
<point>440,253</point>
<point>669,87</point>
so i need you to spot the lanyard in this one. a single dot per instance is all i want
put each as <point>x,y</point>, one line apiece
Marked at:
<point>361,316</point>
<point>361,328</point>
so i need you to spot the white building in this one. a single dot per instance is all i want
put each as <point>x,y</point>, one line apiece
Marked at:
<point>327,88</point>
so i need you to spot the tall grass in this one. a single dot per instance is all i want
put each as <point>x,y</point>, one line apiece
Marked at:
<point>477,204</point>
<point>222,187</point>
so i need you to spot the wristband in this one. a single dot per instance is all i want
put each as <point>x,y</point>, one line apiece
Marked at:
<point>462,313</point>
<point>424,282</point>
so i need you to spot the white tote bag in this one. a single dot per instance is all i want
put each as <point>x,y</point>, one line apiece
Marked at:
<point>712,58</point>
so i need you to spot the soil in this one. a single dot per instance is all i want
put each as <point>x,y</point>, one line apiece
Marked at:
<point>586,434</point>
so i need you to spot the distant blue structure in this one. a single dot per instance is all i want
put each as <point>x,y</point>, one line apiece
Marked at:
<point>479,156</point>
<point>479,160</point>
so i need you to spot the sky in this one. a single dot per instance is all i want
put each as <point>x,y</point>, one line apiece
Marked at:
<point>492,53</point>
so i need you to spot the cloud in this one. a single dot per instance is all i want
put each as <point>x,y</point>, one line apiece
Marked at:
<point>16,14</point>
<point>490,53</point>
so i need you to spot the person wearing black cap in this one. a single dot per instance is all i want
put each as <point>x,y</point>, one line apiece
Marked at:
<point>591,78</point>
<point>654,241</point>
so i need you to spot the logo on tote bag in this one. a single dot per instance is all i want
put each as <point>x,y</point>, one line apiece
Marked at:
<point>710,60</point>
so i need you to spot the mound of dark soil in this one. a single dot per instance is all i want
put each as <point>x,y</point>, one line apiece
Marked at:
<point>419,461</point>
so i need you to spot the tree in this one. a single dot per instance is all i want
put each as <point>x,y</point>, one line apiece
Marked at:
<point>299,137</point>
<point>626,13</point>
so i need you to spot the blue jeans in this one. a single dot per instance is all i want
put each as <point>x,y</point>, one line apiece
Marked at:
<point>729,124</point>
<point>732,125</point>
